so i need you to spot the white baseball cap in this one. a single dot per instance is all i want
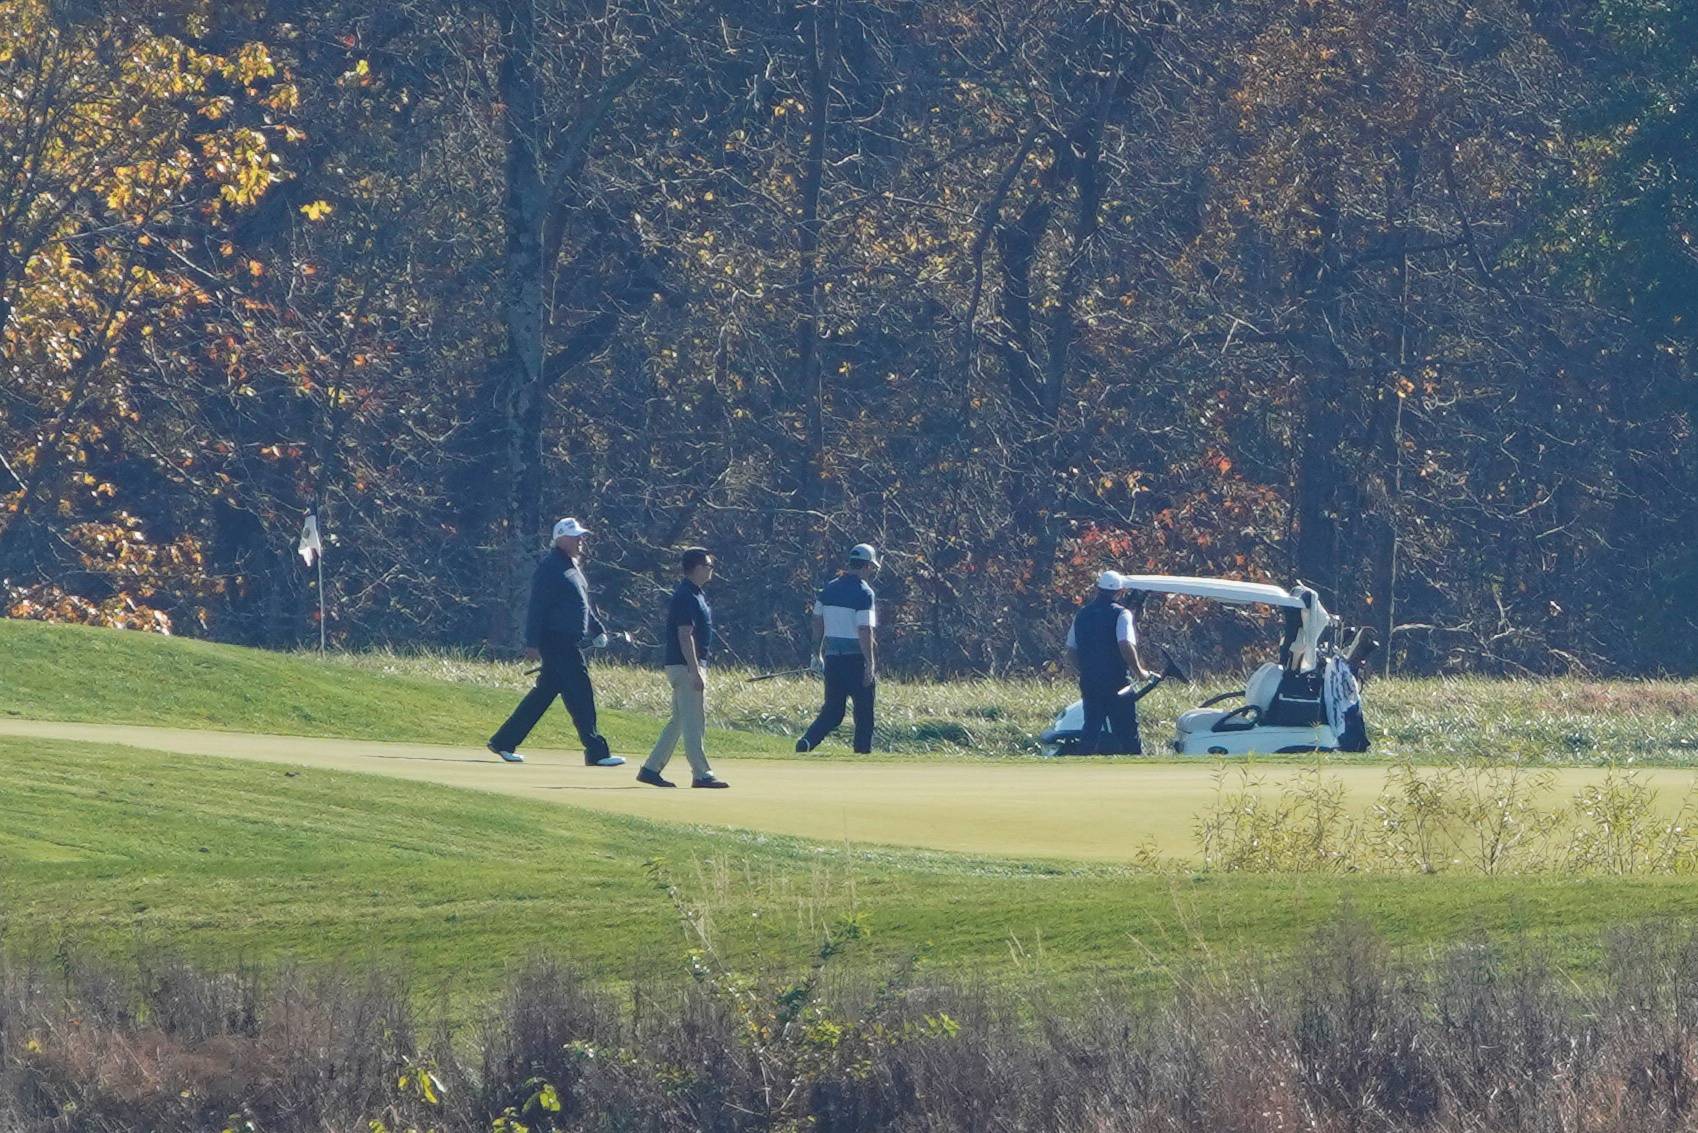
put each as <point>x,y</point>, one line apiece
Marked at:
<point>569,526</point>
<point>863,553</point>
<point>1111,580</point>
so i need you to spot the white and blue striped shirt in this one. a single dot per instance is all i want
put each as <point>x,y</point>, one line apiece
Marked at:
<point>846,605</point>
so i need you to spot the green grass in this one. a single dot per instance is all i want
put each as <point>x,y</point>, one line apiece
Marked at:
<point>1561,721</point>
<point>99,675</point>
<point>119,849</point>
<point>71,673</point>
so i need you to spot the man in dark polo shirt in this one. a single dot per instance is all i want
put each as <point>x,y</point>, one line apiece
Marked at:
<point>688,642</point>
<point>845,622</point>
<point>1103,647</point>
<point>558,624</point>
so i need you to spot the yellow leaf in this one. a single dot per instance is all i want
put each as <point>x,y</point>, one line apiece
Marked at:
<point>317,210</point>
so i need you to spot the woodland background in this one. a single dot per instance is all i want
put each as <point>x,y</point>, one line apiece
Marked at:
<point>1399,297</point>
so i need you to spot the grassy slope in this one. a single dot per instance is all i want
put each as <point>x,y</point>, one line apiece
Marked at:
<point>75,673</point>
<point>118,849</point>
<point>1428,720</point>
<point>71,673</point>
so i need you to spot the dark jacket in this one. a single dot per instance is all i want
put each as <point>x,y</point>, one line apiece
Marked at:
<point>560,614</point>
<point>1101,666</point>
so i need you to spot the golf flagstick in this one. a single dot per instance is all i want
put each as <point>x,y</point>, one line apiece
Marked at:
<point>311,548</point>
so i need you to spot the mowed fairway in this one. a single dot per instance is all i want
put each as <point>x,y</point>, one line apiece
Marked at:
<point>1070,809</point>
<point>135,852</point>
<point>150,800</point>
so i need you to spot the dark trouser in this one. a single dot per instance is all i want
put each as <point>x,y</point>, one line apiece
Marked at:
<point>1111,722</point>
<point>565,675</point>
<point>845,680</point>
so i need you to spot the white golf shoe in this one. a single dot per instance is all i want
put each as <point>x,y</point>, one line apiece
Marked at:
<point>506,756</point>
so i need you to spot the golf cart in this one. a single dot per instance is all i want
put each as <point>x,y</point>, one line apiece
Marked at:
<point>1308,700</point>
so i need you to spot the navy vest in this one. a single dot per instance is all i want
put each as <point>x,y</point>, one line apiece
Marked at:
<point>1100,663</point>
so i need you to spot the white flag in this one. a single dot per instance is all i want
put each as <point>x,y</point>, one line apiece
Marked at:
<point>310,548</point>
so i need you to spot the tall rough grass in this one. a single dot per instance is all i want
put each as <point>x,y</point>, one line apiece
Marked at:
<point>1481,817</point>
<point>1426,720</point>
<point>1351,1038</point>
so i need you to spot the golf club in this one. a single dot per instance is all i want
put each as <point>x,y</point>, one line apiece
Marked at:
<point>784,673</point>
<point>1170,671</point>
<point>620,638</point>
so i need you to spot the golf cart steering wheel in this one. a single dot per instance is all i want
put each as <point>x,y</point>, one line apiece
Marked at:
<point>1249,714</point>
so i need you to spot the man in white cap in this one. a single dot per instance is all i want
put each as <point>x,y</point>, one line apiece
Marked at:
<point>845,618</point>
<point>1103,648</point>
<point>558,624</point>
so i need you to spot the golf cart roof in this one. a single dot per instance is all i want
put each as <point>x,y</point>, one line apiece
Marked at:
<point>1220,589</point>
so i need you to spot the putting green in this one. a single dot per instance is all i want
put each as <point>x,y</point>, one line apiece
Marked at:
<point>1073,809</point>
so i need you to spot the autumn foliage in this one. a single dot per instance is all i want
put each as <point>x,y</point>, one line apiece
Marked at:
<point>1396,298</point>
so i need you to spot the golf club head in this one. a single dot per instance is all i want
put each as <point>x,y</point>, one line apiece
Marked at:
<point>1362,646</point>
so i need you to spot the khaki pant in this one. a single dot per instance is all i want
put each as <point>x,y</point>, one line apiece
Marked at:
<point>689,720</point>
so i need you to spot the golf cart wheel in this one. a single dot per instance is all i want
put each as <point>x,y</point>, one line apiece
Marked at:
<point>1217,750</point>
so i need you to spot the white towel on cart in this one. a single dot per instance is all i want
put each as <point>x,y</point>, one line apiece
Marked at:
<point>1340,691</point>
<point>1306,649</point>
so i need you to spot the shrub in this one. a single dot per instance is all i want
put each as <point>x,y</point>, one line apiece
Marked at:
<point>1349,1036</point>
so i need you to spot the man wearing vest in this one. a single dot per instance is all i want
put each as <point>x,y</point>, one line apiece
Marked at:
<point>845,618</point>
<point>689,640</point>
<point>558,624</point>
<point>1103,647</point>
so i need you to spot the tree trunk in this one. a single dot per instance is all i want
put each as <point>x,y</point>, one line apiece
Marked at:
<point>524,208</point>
<point>1386,437</point>
<point>1321,474</point>
<point>1017,249</point>
<point>822,62</point>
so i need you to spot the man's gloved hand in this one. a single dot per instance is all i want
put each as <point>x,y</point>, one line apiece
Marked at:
<point>600,641</point>
<point>818,665</point>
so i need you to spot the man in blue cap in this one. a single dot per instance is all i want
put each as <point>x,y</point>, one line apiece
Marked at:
<point>1103,648</point>
<point>558,624</point>
<point>845,621</point>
